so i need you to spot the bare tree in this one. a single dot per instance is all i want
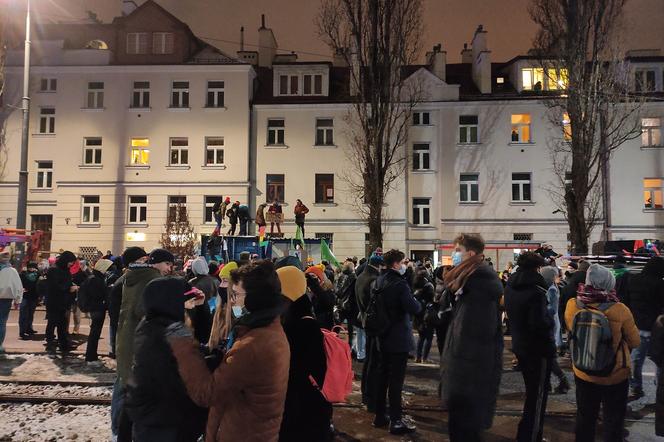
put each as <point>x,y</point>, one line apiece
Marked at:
<point>4,107</point>
<point>378,39</point>
<point>594,108</point>
<point>179,236</point>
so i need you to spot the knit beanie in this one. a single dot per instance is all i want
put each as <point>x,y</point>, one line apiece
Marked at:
<point>318,272</point>
<point>376,260</point>
<point>160,255</point>
<point>132,254</point>
<point>103,265</point>
<point>200,266</point>
<point>293,282</point>
<point>288,261</point>
<point>226,270</point>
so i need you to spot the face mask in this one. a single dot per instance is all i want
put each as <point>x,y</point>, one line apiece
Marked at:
<point>402,270</point>
<point>237,311</point>
<point>456,258</point>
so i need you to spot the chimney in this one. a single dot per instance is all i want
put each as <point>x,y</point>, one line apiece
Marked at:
<point>481,66</point>
<point>339,58</point>
<point>128,6</point>
<point>267,45</point>
<point>437,60</point>
<point>466,54</point>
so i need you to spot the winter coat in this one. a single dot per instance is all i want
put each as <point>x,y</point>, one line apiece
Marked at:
<point>471,365</point>
<point>260,215</point>
<point>307,414</point>
<point>530,321</point>
<point>569,290</point>
<point>246,392</point>
<point>29,282</point>
<point>131,312</point>
<point>243,213</point>
<point>300,211</point>
<point>96,291</point>
<point>200,316</point>
<point>232,214</point>
<point>656,352</point>
<point>400,305</point>
<point>645,299</point>
<point>553,300</point>
<point>323,302</point>
<point>10,284</point>
<point>58,282</point>
<point>345,293</point>
<point>115,299</point>
<point>156,396</point>
<point>363,287</point>
<point>625,338</point>
<point>424,296</point>
<point>222,209</point>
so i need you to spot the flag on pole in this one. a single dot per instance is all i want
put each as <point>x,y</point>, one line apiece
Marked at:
<point>299,236</point>
<point>327,255</point>
<point>261,236</point>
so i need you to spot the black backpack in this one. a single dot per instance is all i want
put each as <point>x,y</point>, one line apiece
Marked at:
<point>376,319</point>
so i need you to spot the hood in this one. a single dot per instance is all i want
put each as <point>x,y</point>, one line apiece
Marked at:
<point>138,274</point>
<point>164,298</point>
<point>524,279</point>
<point>200,266</point>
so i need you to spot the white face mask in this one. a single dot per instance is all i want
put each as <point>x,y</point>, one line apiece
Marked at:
<point>402,270</point>
<point>237,311</point>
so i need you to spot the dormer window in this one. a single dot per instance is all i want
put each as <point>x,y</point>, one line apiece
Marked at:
<point>644,80</point>
<point>288,84</point>
<point>300,80</point>
<point>536,79</point>
<point>137,42</point>
<point>162,43</point>
<point>313,80</point>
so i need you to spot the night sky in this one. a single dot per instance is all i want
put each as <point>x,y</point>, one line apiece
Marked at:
<point>451,22</point>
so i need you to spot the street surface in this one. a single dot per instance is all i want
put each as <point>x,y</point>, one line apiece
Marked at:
<point>351,421</point>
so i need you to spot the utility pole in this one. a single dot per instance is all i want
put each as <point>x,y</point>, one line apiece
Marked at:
<point>21,213</point>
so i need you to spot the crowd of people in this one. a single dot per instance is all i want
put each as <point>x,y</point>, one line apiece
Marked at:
<point>238,213</point>
<point>240,350</point>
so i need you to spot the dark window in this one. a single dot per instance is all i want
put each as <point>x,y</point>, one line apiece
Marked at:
<point>324,188</point>
<point>275,187</point>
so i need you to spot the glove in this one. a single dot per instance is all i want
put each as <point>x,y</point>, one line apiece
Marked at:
<point>178,330</point>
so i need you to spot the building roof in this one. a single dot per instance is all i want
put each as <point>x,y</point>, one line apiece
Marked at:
<point>338,92</point>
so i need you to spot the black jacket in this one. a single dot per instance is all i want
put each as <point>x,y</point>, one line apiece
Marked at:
<point>646,298</point>
<point>345,292</point>
<point>363,286</point>
<point>530,322</point>
<point>29,281</point>
<point>96,291</point>
<point>423,295</point>
<point>58,282</point>
<point>306,412</point>
<point>232,214</point>
<point>471,365</point>
<point>115,300</point>
<point>156,395</point>
<point>400,305</point>
<point>323,302</point>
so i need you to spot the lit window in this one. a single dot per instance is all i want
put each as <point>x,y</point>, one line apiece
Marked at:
<point>138,209</point>
<point>162,43</point>
<point>177,208</point>
<point>48,85</point>
<point>421,118</point>
<point>421,156</point>
<point>179,151</point>
<point>532,79</point>
<point>275,131</point>
<point>210,202</point>
<point>469,188</point>
<point>214,151</point>
<point>140,151</point>
<point>92,151</point>
<point>180,94</point>
<point>324,132</point>
<point>468,128</point>
<point>521,128</point>
<point>651,132</point>
<point>421,211</point>
<point>275,188</point>
<point>90,209</point>
<point>215,94</point>
<point>95,95</point>
<point>653,193</point>
<point>521,187</point>
<point>47,120</point>
<point>567,127</point>
<point>500,80</point>
<point>141,94</point>
<point>324,188</point>
<point>557,78</point>
<point>44,174</point>
<point>644,81</point>
<point>137,43</point>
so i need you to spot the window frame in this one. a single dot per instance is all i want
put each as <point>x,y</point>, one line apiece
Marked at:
<point>522,185</point>
<point>180,149</point>
<point>216,148</point>
<point>139,149</point>
<point>141,209</point>
<point>95,95</point>
<point>648,130</point>
<point>275,185</point>
<point>421,211</point>
<point>326,131</point>
<point>519,129</point>
<point>467,128</point>
<point>469,184</point>
<point>48,85</point>
<point>653,192</point>
<point>94,149</point>
<point>208,203</point>
<point>93,209</point>
<point>44,175</point>
<point>161,39</point>
<point>323,182</point>
<point>143,101</point>
<point>217,92</point>
<point>421,156</point>
<point>47,120</point>
<point>639,83</point>
<point>278,129</point>
<point>180,94</point>
<point>315,84</point>
<point>171,205</point>
<point>134,48</point>
<point>419,118</point>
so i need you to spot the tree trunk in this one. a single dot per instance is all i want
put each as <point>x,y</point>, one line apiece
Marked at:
<point>576,219</point>
<point>375,225</point>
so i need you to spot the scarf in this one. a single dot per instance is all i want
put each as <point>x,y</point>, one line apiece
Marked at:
<point>456,278</point>
<point>590,295</point>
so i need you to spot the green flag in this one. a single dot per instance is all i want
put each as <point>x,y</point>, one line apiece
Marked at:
<point>299,237</point>
<point>327,255</point>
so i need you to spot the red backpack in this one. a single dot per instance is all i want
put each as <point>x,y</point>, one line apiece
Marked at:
<point>338,381</point>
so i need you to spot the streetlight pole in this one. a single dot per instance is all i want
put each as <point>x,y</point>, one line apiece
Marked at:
<point>25,135</point>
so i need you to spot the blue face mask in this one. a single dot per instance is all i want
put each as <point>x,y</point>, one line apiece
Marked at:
<point>237,311</point>
<point>456,258</point>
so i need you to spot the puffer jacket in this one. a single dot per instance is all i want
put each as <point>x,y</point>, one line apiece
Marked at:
<point>246,392</point>
<point>131,312</point>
